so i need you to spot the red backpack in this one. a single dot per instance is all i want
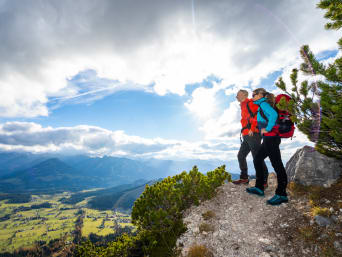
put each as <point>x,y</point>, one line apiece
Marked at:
<point>284,127</point>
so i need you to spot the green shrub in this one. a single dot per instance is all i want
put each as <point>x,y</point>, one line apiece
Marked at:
<point>317,106</point>
<point>124,246</point>
<point>158,211</point>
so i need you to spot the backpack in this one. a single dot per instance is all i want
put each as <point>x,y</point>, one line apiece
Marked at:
<point>252,114</point>
<point>284,127</point>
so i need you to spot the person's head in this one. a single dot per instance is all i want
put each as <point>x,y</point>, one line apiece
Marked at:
<point>260,93</point>
<point>242,95</point>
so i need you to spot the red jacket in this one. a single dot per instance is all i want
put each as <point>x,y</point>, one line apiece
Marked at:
<point>246,118</point>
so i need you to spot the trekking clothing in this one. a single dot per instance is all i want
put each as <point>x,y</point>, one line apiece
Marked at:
<point>277,200</point>
<point>269,148</point>
<point>241,181</point>
<point>250,144</point>
<point>284,127</point>
<point>255,191</point>
<point>248,116</point>
<point>271,115</point>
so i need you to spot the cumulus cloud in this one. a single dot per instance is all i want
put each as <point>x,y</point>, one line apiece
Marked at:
<point>96,141</point>
<point>226,125</point>
<point>203,102</point>
<point>44,44</point>
<point>56,52</point>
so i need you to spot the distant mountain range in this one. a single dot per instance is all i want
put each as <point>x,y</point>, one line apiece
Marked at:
<point>25,172</point>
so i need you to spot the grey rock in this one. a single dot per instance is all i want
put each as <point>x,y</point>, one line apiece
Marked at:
<point>285,225</point>
<point>235,246</point>
<point>340,218</point>
<point>334,218</point>
<point>264,254</point>
<point>315,248</point>
<point>338,246</point>
<point>309,167</point>
<point>270,249</point>
<point>264,240</point>
<point>322,221</point>
<point>323,236</point>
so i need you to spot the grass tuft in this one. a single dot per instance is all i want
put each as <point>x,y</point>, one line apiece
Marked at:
<point>208,215</point>
<point>300,190</point>
<point>199,251</point>
<point>205,227</point>
<point>307,233</point>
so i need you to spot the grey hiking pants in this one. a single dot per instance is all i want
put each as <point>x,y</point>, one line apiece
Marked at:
<point>250,144</point>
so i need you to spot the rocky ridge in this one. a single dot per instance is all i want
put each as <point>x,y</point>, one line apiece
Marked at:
<point>243,225</point>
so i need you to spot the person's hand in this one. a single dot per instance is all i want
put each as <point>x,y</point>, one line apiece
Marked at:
<point>250,133</point>
<point>263,131</point>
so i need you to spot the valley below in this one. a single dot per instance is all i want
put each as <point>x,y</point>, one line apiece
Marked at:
<point>45,218</point>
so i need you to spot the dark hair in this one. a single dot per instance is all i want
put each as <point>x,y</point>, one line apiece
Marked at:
<point>269,96</point>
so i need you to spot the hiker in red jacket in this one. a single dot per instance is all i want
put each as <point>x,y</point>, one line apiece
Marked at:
<point>251,137</point>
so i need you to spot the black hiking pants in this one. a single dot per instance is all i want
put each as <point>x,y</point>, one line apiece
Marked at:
<point>270,148</point>
<point>250,144</point>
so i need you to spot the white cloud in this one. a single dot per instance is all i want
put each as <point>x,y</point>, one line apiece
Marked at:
<point>96,141</point>
<point>45,43</point>
<point>146,45</point>
<point>203,102</point>
<point>227,125</point>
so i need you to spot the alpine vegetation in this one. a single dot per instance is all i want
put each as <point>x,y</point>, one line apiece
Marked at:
<point>317,104</point>
<point>158,212</point>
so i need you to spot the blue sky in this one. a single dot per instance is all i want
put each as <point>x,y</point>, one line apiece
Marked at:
<point>136,112</point>
<point>156,80</point>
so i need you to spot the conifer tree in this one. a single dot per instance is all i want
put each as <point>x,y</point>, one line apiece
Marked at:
<point>317,105</point>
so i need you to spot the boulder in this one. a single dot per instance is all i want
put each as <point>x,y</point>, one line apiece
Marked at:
<point>309,167</point>
<point>322,221</point>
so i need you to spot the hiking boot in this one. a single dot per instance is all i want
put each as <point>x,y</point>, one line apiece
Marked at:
<point>241,181</point>
<point>277,200</point>
<point>255,191</point>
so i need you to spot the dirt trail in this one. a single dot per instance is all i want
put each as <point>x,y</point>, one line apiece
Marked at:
<point>243,224</point>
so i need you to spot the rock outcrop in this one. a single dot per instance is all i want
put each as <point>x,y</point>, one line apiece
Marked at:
<point>235,223</point>
<point>243,225</point>
<point>309,167</point>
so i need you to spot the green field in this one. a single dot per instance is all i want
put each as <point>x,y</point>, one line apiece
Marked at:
<point>24,228</point>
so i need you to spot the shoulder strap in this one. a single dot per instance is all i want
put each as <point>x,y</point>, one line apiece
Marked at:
<point>249,110</point>
<point>262,113</point>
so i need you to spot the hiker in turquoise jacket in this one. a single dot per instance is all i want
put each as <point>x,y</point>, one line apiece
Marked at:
<point>267,117</point>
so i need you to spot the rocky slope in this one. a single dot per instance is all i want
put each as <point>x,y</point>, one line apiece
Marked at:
<point>240,224</point>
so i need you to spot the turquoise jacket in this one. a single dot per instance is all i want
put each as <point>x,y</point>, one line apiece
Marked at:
<point>269,112</point>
